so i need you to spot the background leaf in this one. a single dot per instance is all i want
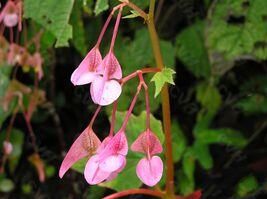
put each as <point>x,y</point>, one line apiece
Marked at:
<point>53,16</point>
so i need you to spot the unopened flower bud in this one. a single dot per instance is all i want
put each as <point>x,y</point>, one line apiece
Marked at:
<point>8,148</point>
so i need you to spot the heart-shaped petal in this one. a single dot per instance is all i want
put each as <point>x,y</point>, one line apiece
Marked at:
<point>11,20</point>
<point>86,144</point>
<point>105,92</point>
<point>87,71</point>
<point>92,173</point>
<point>114,174</point>
<point>112,66</point>
<point>150,171</point>
<point>147,142</point>
<point>112,163</point>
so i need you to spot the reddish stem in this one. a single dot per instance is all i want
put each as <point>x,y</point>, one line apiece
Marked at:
<point>123,127</point>
<point>94,116</point>
<point>113,118</point>
<point>115,31</point>
<point>134,74</point>
<point>31,132</point>
<point>135,191</point>
<point>104,29</point>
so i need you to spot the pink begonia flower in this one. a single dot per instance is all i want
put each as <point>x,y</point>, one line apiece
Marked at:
<point>109,160</point>
<point>88,69</point>
<point>150,168</point>
<point>106,89</point>
<point>84,146</point>
<point>10,14</point>
<point>35,61</point>
<point>103,74</point>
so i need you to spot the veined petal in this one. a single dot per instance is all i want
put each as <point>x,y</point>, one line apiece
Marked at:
<point>147,142</point>
<point>113,66</point>
<point>149,171</point>
<point>83,146</point>
<point>105,92</point>
<point>92,173</point>
<point>117,145</point>
<point>104,144</point>
<point>112,163</point>
<point>86,72</point>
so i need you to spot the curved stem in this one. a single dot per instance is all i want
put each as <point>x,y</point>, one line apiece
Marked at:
<point>115,31</point>
<point>113,118</point>
<point>104,29</point>
<point>94,116</point>
<point>135,191</point>
<point>165,104</point>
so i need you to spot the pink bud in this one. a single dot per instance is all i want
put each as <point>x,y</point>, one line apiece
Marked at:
<point>8,148</point>
<point>11,20</point>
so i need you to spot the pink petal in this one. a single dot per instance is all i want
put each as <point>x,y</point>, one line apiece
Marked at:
<point>87,70</point>
<point>114,174</point>
<point>104,144</point>
<point>113,66</point>
<point>112,163</point>
<point>11,20</point>
<point>150,171</point>
<point>92,173</point>
<point>147,141</point>
<point>117,145</point>
<point>105,92</point>
<point>83,146</point>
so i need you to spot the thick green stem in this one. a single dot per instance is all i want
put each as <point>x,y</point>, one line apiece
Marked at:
<point>165,103</point>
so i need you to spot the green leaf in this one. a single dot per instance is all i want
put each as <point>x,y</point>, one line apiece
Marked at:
<point>80,165</point>
<point>210,99</point>
<point>253,104</point>
<point>202,153</point>
<point>16,139</point>
<point>4,82</point>
<point>221,136</point>
<point>100,6</point>
<point>179,142</point>
<point>53,16</point>
<point>6,185</point>
<point>189,163</point>
<point>191,50</point>
<point>133,14</point>
<point>247,185</point>
<point>236,40</point>
<point>76,21</point>
<point>160,78</point>
<point>186,180</point>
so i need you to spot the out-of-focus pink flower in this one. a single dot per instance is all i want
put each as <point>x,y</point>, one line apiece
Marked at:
<point>7,147</point>
<point>150,168</point>
<point>35,61</point>
<point>10,14</point>
<point>109,160</point>
<point>84,146</point>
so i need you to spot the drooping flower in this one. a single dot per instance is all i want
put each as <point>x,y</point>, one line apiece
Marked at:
<point>10,15</point>
<point>88,69</point>
<point>106,89</point>
<point>103,74</point>
<point>150,168</point>
<point>84,146</point>
<point>109,160</point>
